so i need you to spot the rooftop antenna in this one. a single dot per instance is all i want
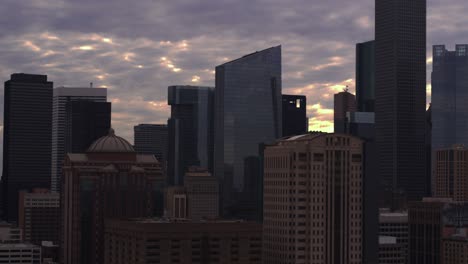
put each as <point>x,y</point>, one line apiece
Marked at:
<point>90,85</point>
<point>346,89</point>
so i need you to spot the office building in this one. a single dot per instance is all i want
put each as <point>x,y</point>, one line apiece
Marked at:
<point>429,221</point>
<point>202,194</point>
<point>190,130</point>
<point>400,100</point>
<point>449,94</point>
<point>39,216</point>
<point>344,102</point>
<point>175,202</point>
<point>10,234</point>
<point>455,247</point>
<point>451,173</point>
<point>76,125</point>
<point>49,252</point>
<point>295,121</point>
<point>151,139</point>
<point>20,253</point>
<point>170,241</point>
<point>248,113</point>
<point>390,251</point>
<point>109,180</point>
<point>395,224</point>
<point>313,200</point>
<point>27,138</point>
<point>365,76</point>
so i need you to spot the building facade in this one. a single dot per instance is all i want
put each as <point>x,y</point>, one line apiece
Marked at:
<point>247,113</point>
<point>151,139</point>
<point>190,130</point>
<point>390,251</point>
<point>110,180</point>
<point>39,216</point>
<point>365,76</point>
<point>295,121</point>
<point>27,138</point>
<point>202,195</point>
<point>449,94</point>
<point>451,173</point>
<point>20,253</point>
<point>344,102</point>
<point>455,248</point>
<point>169,241</point>
<point>76,126</point>
<point>400,100</point>
<point>313,200</point>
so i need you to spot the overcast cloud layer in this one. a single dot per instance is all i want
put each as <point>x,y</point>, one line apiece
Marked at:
<point>138,48</point>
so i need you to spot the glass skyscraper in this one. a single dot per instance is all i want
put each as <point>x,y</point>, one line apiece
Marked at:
<point>190,130</point>
<point>365,76</point>
<point>449,97</point>
<point>247,113</point>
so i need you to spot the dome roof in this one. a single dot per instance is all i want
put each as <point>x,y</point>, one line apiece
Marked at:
<point>111,143</point>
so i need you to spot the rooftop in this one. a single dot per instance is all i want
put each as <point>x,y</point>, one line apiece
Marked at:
<point>111,144</point>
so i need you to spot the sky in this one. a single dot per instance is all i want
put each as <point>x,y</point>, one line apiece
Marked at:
<point>138,48</point>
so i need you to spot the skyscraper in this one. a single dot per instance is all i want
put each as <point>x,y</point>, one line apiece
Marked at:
<point>190,130</point>
<point>247,113</point>
<point>344,102</point>
<point>449,96</point>
<point>313,200</point>
<point>365,76</point>
<point>27,137</point>
<point>151,139</point>
<point>294,115</point>
<point>400,99</point>
<point>75,126</point>
<point>109,180</point>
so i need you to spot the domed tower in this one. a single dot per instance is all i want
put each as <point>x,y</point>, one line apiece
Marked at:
<point>109,181</point>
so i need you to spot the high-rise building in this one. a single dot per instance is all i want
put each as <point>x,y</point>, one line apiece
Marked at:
<point>110,180</point>
<point>76,125</point>
<point>151,139</point>
<point>202,194</point>
<point>27,138</point>
<point>190,130</point>
<point>451,173</point>
<point>39,216</point>
<point>449,94</point>
<point>400,100</point>
<point>141,241</point>
<point>295,120</point>
<point>365,76</point>
<point>344,102</point>
<point>390,251</point>
<point>247,113</point>
<point>313,200</point>
<point>395,224</point>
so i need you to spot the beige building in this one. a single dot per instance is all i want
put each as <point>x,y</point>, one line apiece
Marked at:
<point>451,173</point>
<point>313,200</point>
<point>455,247</point>
<point>165,241</point>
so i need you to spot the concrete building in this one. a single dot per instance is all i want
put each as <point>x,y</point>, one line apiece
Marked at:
<point>27,138</point>
<point>344,102</point>
<point>202,194</point>
<point>390,251</point>
<point>20,253</point>
<point>175,202</point>
<point>39,216</point>
<point>76,125</point>
<point>451,173</point>
<point>248,112</point>
<point>313,200</point>
<point>455,247</point>
<point>10,234</point>
<point>152,139</point>
<point>110,180</point>
<point>395,224</point>
<point>141,241</point>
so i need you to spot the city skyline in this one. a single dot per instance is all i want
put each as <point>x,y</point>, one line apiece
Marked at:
<point>137,52</point>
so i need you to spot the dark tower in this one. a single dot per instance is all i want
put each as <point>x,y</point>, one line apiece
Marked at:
<point>27,141</point>
<point>294,115</point>
<point>344,102</point>
<point>365,76</point>
<point>400,106</point>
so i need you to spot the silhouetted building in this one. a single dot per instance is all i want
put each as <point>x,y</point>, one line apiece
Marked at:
<point>39,216</point>
<point>27,138</point>
<point>451,173</point>
<point>151,139</point>
<point>295,120</point>
<point>110,180</point>
<point>390,251</point>
<point>313,200</point>
<point>449,96</point>
<point>80,116</point>
<point>400,100</point>
<point>190,130</point>
<point>247,113</point>
<point>344,102</point>
<point>365,76</point>
<point>171,241</point>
